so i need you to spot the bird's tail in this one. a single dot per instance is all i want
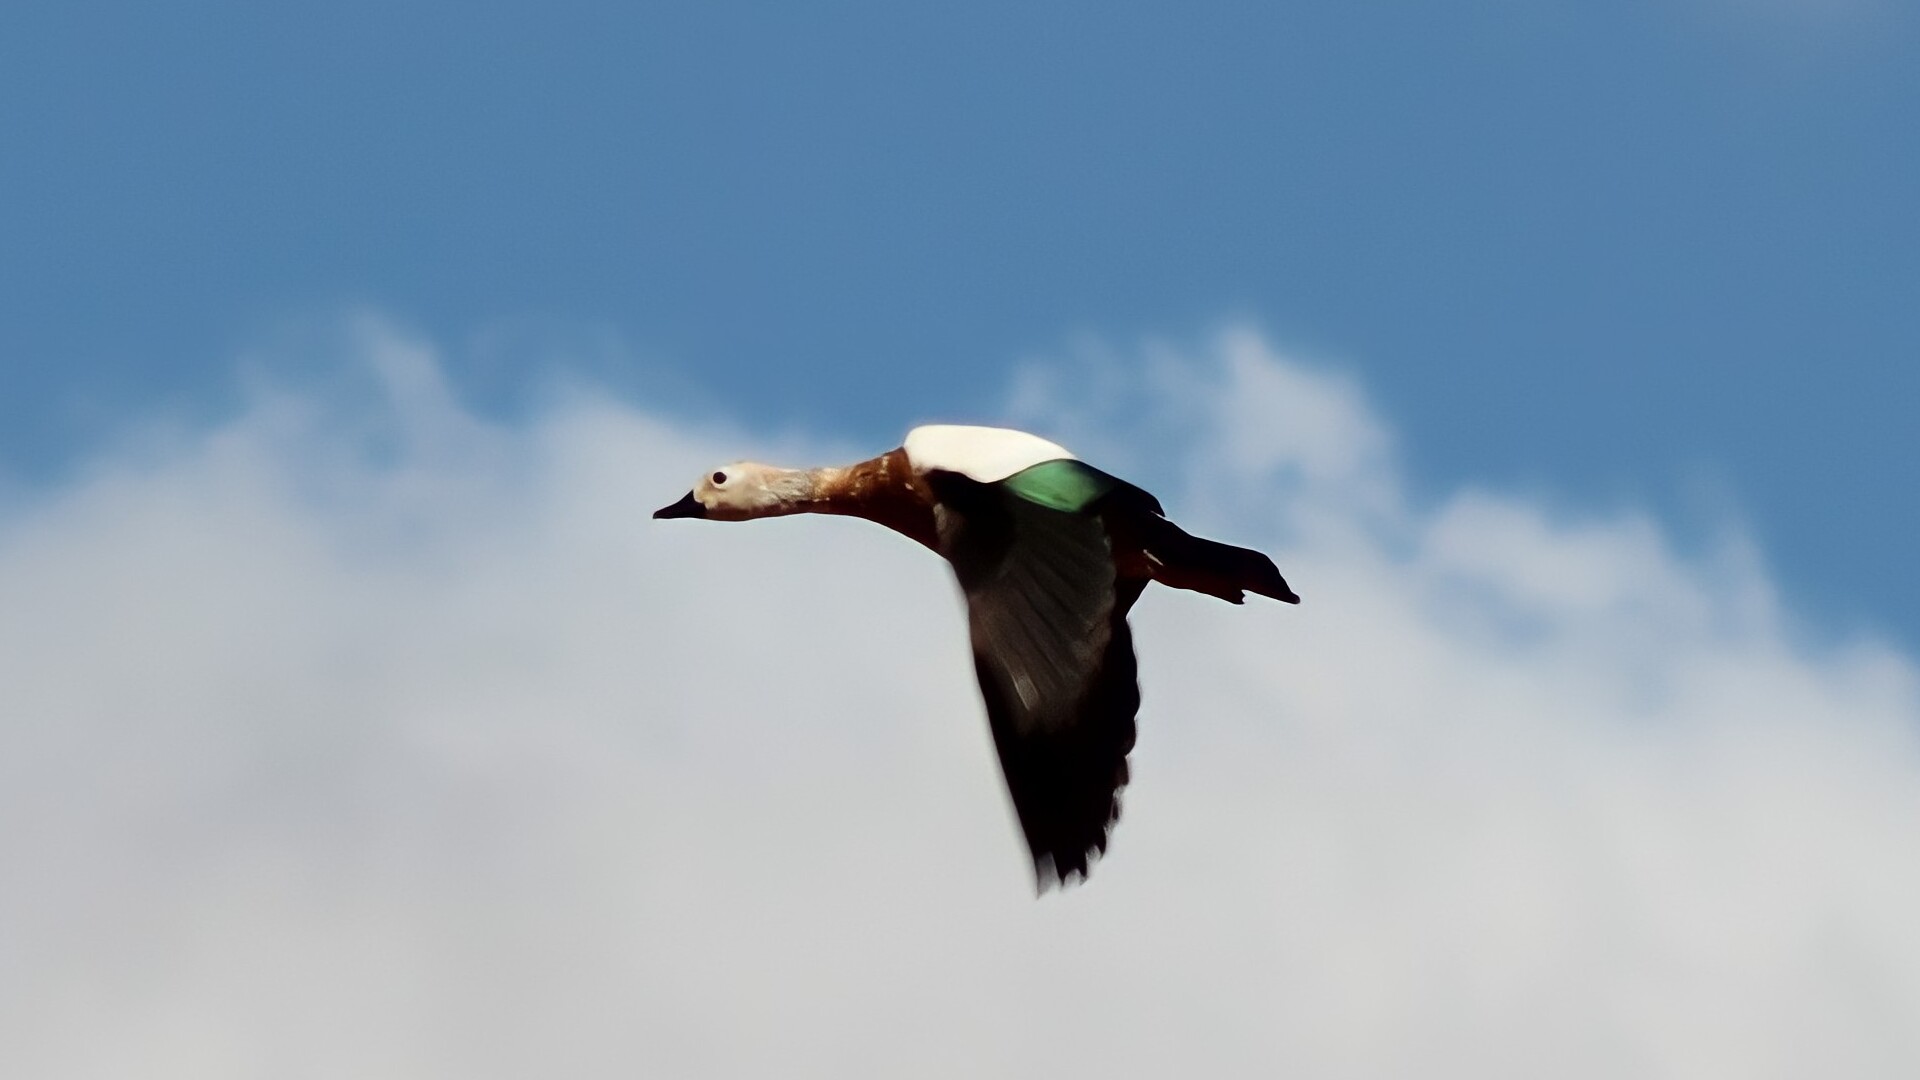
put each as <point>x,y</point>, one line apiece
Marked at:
<point>1193,562</point>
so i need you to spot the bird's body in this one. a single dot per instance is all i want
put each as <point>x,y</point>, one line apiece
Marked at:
<point>1051,553</point>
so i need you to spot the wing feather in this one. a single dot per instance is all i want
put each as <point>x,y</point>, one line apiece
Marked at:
<point>1054,659</point>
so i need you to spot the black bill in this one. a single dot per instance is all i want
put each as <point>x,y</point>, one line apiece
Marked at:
<point>687,507</point>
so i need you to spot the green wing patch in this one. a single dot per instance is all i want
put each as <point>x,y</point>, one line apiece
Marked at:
<point>1066,484</point>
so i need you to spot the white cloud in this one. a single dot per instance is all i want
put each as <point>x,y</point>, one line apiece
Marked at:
<point>338,742</point>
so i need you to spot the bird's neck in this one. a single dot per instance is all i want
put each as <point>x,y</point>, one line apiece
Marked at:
<point>884,490</point>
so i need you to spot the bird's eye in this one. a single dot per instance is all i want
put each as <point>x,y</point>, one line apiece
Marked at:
<point>719,478</point>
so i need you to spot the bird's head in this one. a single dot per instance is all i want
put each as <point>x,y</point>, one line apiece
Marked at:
<point>741,491</point>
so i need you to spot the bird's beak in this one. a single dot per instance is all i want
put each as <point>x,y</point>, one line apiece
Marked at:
<point>688,506</point>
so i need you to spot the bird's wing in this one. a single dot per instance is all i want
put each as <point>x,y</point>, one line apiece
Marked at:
<point>1054,658</point>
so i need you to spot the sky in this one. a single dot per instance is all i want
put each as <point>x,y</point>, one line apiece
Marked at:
<point>360,735</point>
<point>1563,357</point>
<point>1654,253</point>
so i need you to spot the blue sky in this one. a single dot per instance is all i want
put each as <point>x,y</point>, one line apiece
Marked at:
<point>1622,253</point>
<point>1650,252</point>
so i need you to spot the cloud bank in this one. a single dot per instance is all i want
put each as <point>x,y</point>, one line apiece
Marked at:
<point>359,736</point>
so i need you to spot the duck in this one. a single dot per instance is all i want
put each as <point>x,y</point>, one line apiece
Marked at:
<point>1050,554</point>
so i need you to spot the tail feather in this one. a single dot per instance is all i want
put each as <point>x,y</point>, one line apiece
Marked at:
<point>1208,566</point>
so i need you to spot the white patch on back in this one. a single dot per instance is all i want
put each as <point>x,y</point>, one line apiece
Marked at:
<point>985,454</point>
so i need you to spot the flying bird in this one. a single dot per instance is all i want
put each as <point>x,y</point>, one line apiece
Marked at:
<point>1050,553</point>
